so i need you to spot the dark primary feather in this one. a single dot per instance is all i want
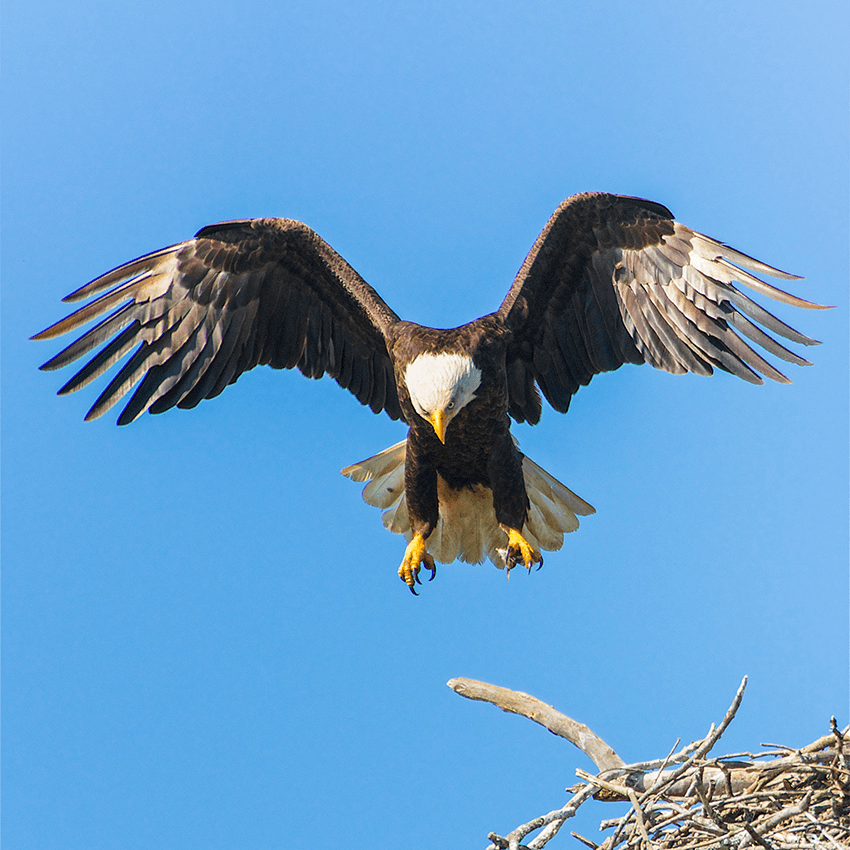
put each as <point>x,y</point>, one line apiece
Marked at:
<point>238,295</point>
<point>614,280</point>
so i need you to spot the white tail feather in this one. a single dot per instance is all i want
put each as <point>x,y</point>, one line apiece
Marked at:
<point>467,528</point>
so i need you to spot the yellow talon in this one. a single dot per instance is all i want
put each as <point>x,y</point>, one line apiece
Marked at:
<point>415,556</point>
<point>519,549</point>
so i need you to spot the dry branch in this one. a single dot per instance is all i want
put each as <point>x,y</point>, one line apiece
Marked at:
<point>516,702</point>
<point>782,799</point>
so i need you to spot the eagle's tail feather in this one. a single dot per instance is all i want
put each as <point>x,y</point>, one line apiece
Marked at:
<point>467,528</point>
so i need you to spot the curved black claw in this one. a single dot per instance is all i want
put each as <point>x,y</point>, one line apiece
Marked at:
<point>519,551</point>
<point>415,557</point>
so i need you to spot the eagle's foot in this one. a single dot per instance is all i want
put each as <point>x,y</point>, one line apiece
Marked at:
<point>415,557</point>
<point>519,550</point>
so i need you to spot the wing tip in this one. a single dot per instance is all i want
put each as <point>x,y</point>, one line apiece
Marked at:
<point>94,413</point>
<point>803,304</point>
<point>87,288</point>
<point>47,333</point>
<point>127,417</point>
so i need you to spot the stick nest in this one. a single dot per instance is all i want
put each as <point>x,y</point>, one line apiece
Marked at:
<point>780,798</point>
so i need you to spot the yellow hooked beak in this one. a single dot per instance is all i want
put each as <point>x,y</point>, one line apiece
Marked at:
<point>439,424</point>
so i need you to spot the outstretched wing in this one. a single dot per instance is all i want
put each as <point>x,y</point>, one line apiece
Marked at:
<point>615,280</point>
<point>238,295</point>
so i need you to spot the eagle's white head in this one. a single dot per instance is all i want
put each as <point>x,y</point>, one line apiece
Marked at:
<point>440,386</point>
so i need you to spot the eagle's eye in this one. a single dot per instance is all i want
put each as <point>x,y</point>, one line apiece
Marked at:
<point>450,405</point>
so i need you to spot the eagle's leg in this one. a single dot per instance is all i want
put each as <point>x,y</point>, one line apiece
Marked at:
<point>510,501</point>
<point>519,550</point>
<point>423,508</point>
<point>416,556</point>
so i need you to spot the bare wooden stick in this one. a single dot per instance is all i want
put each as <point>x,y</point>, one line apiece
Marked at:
<point>639,817</point>
<point>826,740</point>
<point>710,740</point>
<point>517,702</point>
<point>612,787</point>
<point>558,816</point>
<point>734,780</point>
<point>788,812</point>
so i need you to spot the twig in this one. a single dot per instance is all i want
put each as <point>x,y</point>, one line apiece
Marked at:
<point>706,805</point>
<point>825,741</point>
<point>788,812</point>
<point>657,782</point>
<point>822,831</point>
<point>664,765</point>
<point>756,837</point>
<point>619,791</point>
<point>656,764</point>
<point>639,817</point>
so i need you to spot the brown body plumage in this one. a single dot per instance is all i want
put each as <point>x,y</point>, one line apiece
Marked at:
<point>610,280</point>
<point>478,448</point>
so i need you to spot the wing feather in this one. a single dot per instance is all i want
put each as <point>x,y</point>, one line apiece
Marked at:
<point>125,272</point>
<point>239,294</point>
<point>121,383</point>
<point>743,325</point>
<point>613,280</point>
<point>162,378</point>
<point>189,369</point>
<point>102,331</point>
<point>220,344</point>
<point>682,336</point>
<point>105,359</point>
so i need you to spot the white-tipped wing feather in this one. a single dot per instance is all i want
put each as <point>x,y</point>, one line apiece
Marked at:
<point>614,280</point>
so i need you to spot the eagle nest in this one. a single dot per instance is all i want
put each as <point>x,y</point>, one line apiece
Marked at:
<point>780,798</point>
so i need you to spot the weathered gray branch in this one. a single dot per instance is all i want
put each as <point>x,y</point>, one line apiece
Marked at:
<point>517,702</point>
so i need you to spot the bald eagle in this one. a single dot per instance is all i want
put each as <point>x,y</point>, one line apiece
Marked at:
<point>610,280</point>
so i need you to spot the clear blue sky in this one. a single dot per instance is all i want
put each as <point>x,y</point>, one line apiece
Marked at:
<point>205,641</point>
